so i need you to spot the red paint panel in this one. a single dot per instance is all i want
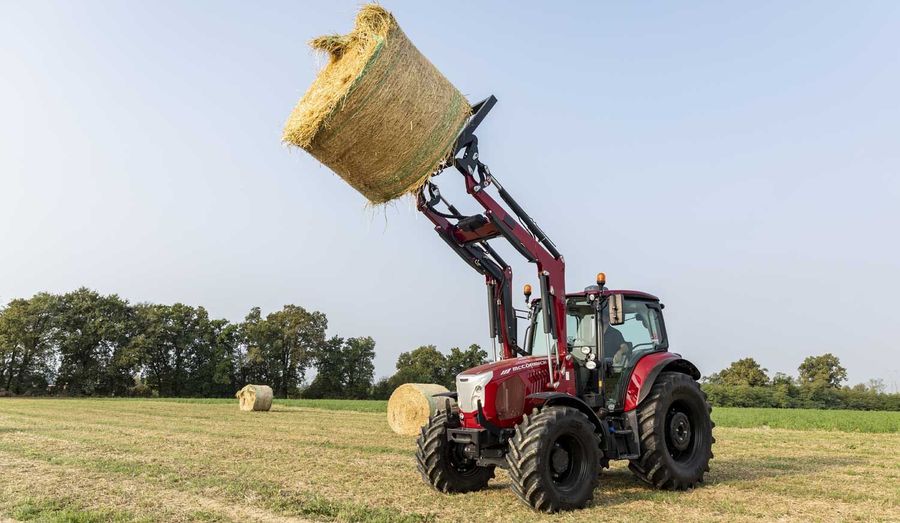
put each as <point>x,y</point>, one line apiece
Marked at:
<point>640,374</point>
<point>534,375</point>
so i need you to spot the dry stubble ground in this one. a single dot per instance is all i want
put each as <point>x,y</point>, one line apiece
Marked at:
<point>100,460</point>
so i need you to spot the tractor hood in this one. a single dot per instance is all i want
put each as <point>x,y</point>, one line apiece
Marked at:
<point>501,388</point>
<point>505,367</point>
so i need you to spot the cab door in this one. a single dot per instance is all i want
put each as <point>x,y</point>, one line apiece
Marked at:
<point>641,333</point>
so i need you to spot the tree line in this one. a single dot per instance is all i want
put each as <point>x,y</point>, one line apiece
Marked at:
<point>83,343</point>
<point>818,385</point>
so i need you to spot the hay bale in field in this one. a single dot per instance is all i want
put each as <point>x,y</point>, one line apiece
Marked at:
<point>411,404</point>
<point>255,397</point>
<point>380,115</point>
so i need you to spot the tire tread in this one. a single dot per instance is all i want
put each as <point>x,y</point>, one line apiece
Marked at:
<point>651,467</point>
<point>431,466</point>
<point>524,453</point>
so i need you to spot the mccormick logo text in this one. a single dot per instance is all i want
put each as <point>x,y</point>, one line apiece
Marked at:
<point>517,368</point>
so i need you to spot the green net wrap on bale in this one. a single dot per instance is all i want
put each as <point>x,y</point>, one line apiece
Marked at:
<point>380,115</point>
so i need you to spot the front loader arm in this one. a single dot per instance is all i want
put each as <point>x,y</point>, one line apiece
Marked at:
<point>497,274</point>
<point>469,237</point>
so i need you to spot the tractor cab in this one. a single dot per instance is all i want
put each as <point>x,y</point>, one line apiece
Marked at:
<point>632,330</point>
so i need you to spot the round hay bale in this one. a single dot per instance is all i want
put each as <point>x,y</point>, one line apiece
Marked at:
<point>255,397</point>
<point>411,404</point>
<point>380,115</point>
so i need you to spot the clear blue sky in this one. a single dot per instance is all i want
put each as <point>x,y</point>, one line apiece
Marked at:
<point>739,159</point>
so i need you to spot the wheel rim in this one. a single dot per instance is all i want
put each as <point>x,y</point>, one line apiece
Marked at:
<point>559,459</point>
<point>567,464</point>
<point>680,429</point>
<point>681,435</point>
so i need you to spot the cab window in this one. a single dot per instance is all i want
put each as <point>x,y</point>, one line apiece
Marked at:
<point>641,333</point>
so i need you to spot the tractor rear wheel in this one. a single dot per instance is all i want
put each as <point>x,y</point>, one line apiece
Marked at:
<point>676,434</point>
<point>442,463</point>
<point>553,459</point>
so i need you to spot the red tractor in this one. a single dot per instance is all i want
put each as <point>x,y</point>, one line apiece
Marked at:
<point>592,380</point>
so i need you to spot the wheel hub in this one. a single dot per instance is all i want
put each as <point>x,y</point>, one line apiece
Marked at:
<point>680,431</point>
<point>459,461</point>
<point>559,459</point>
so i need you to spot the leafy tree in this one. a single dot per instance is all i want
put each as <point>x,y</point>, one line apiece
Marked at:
<point>93,336</point>
<point>876,385</point>
<point>360,368</point>
<point>425,364</point>
<point>214,366</point>
<point>345,369</point>
<point>168,336</point>
<point>382,389</point>
<point>254,337</point>
<point>26,348</point>
<point>785,391</point>
<point>184,352</point>
<point>745,371</point>
<point>822,371</point>
<point>460,360</point>
<point>330,370</point>
<point>797,397</point>
<point>278,349</point>
<point>782,380</point>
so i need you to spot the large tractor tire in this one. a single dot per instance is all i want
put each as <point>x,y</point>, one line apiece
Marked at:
<point>442,463</point>
<point>554,459</point>
<point>676,434</point>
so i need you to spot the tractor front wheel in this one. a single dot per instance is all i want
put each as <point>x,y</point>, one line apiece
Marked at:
<point>442,463</point>
<point>553,459</point>
<point>676,434</point>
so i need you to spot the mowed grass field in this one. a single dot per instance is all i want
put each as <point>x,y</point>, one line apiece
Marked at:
<point>186,460</point>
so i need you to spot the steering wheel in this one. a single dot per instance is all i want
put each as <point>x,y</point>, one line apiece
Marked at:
<point>650,343</point>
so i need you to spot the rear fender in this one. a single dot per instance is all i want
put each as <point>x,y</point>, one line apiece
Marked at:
<point>648,368</point>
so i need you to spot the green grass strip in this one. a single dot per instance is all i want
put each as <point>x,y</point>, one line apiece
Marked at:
<point>808,419</point>
<point>793,419</point>
<point>52,510</point>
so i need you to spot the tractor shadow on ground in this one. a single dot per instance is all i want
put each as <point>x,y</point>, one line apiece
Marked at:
<point>618,485</point>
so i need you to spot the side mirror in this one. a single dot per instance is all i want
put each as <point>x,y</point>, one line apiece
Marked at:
<point>616,310</point>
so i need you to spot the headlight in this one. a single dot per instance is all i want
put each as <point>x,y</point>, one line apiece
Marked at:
<point>470,390</point>
<point>478,396</point>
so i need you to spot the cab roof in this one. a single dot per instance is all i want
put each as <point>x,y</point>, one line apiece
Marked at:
<point>609,292</point>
